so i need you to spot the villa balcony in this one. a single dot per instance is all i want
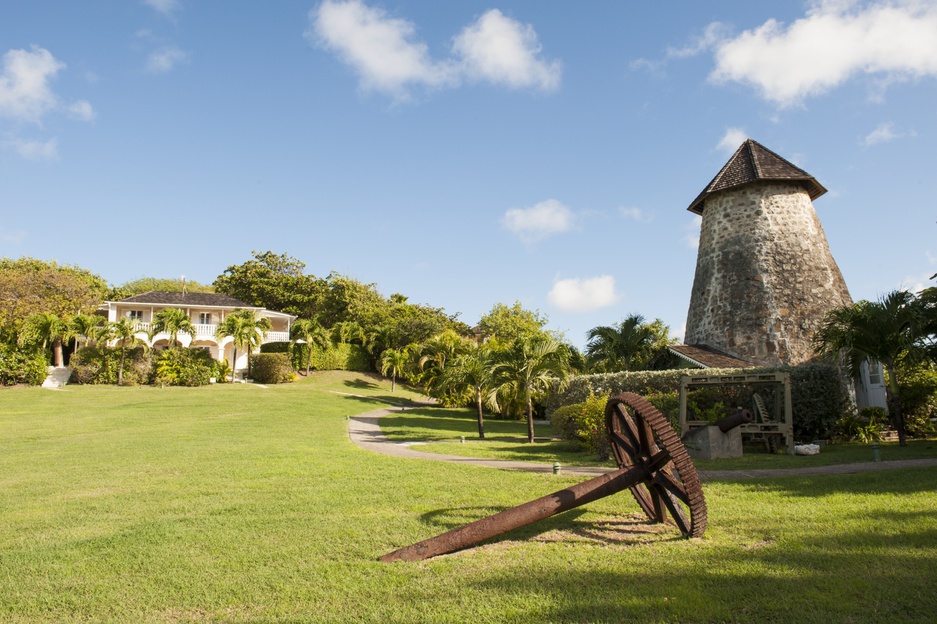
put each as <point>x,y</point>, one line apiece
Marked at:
<point>203,332</point>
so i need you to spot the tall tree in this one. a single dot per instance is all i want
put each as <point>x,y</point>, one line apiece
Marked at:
<point>29,286</point>
<point>247,331</point>
<point>273,281</point>
<point>124,331</point>
<point>44,329</point>
<point>506,324</point>
<point>891,331</point>
<point>173,321</point>
<point>531,366</point>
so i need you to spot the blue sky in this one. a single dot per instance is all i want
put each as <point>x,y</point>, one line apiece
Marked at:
<point>461,153</point>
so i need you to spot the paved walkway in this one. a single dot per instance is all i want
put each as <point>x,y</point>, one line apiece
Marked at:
<point>365,431</point>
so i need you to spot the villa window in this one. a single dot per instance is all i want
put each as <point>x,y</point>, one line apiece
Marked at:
<point>875,374</point>
<point>204,318</point>
<point>135,315</point>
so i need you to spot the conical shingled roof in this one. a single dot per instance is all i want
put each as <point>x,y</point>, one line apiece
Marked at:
<point>752,162</point>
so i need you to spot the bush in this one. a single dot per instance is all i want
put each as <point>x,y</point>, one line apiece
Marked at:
<point>918,391</point>
<point>100,365</point>
<point>271,368</point>
<point>585,422</point>
<point>182,367</point>
<point>22,366</point>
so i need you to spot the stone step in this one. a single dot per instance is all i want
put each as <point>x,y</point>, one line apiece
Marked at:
<point>57,377</point>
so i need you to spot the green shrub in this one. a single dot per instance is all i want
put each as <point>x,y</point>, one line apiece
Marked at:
<point>271,368</point>
<point>668,403</point>
<point>100,365</point>
<point>585,422</point>
<point>918,391</point>
<point>22,366</point>
<point>182,367</point>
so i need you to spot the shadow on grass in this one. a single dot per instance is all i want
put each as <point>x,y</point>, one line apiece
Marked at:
<point>562,527</point>
<point>361,384</point>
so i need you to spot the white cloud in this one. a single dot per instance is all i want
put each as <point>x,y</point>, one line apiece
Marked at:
<point>500,50</point>
<point>634,213</point>
<point>836,41</point>
<point>165,59</point>
<point>538,222</point>
<point>25,94</point>
<point>166,7</point>
<point>692,236</point>
<point>81,110</point>
<point>583,295</point>
<point>385,53</point>
<point>35,150</point>
<point>12,237</point>
<point>379,47</point>
<point>884,133</point>
<point>731,140</point>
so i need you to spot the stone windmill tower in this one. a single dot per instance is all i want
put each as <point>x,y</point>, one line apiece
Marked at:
<point>765,277</point>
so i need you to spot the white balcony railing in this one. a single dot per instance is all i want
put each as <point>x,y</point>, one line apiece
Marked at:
<point>208,331</point>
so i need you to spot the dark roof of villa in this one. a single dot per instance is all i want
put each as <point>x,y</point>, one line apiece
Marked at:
<point>753,162</point>
<point>162,297</point>
<point>705,356</point>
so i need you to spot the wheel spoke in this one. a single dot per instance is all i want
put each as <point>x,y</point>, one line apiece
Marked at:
<point>629,427</point>
<point>666,479</point>
<point>643,496</point>
<point>676,510</point>
<point>620,443</point>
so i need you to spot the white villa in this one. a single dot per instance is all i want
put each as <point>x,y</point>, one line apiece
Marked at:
<point>205,310</point>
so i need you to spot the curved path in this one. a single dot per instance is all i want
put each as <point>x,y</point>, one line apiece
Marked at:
<point>365,431</point>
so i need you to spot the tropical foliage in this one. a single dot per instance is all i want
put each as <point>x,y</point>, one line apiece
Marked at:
<point>629,345</point>
<point>896,330</point>
<point>172,321</point>
<point>247,330</point>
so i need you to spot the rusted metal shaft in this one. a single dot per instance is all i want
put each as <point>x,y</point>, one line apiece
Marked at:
<point>732,421</point>
<point>531,512</point>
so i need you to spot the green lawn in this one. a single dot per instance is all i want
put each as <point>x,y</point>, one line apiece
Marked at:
<point>240,503</point>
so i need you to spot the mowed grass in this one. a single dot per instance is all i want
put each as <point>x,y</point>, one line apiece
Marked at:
<point>239,503</point>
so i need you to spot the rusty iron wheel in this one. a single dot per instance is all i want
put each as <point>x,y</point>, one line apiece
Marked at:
<point>637,432</point>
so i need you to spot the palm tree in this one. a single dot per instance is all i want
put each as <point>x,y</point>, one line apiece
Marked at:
<point>530,366</point>
<point>393,361</point>
<point>891,331</point>
<point>437,353</point>
<point>124,332</point>
<point>347,331</point>
<point>173,321</point>
<point>473,372</point>
<point>88,327</point>
<point>622,347</point>
<point>312,334</point>
<point>247,331</point>
<point>45,328</point>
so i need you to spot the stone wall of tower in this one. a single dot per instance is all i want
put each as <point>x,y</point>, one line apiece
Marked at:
<point>765,277</point>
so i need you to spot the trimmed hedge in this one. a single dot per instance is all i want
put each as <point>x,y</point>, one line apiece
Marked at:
<point>818,397</point>
<point>271,368</point>
<point>19,366</point>
<point>342,356</point>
